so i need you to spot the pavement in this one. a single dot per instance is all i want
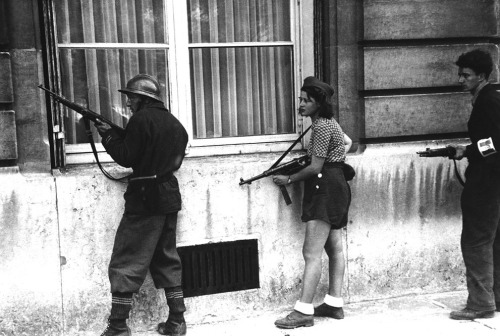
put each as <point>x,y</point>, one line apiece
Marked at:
<point>424,315</point>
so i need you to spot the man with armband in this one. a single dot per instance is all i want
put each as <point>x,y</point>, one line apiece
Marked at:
<point>480,200</point>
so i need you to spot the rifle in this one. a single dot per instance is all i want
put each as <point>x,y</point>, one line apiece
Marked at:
<point>287,168</point>
<point>88,116</point>
<point>448,152</point>
<point>85,112</point>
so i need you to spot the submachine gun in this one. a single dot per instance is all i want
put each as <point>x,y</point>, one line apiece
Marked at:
<point>287,168</point>
<point>448,152</point>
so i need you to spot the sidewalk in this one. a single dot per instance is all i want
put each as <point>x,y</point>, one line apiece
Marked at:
<point>424,315</point>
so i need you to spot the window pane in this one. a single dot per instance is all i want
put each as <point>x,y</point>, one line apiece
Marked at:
<point>242,91</point>
<point>92,78</point>
<point>212,21</point>
<point>110,21</point>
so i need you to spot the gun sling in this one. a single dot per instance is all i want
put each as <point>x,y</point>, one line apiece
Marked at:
<point>94,150</point>
<point>283,190</point>
<point>458,174</point>
<point>448,152</point>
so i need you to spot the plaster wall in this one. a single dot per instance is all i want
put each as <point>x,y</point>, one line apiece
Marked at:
<point>58,230</point>
<point>30,277</point>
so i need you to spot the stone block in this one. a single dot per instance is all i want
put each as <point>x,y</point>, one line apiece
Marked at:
<point>31,116</point>
<point>416,114</point>
<point>8,138</point>
<point>6,93</point>
<point>21,16</point>
<point>4,36</point>
<point>418,66</point>
<point>419,19</point>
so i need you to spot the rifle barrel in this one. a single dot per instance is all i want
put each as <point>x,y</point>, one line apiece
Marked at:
<point>284,168</point>
<point>82,110</point>
<point>255,178</point>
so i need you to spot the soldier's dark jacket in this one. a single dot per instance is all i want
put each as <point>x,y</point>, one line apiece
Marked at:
<point>484,122</point>
<point>154,144</point>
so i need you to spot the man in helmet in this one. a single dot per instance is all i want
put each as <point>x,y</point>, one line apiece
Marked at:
<point>153,146</point>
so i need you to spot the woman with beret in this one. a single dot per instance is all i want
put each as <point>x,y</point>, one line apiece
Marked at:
<point>325,205</point>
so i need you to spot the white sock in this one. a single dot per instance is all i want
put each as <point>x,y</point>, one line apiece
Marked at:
<point>304,308</point>
<point>334,301</point>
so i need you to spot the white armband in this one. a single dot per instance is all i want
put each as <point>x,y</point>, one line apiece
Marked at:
<point>486,147</point>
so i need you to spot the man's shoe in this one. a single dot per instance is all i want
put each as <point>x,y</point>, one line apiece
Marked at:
<point>172,328</point>
<point>295,320</point>
<point>471,314</point>
<point>325,310</point>
<point>115,328</point>
<point>498,306</point>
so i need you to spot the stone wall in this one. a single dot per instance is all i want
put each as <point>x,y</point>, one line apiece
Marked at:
<point>402,238</point>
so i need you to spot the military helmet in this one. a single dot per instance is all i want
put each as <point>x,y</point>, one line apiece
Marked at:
<point>144,85</point>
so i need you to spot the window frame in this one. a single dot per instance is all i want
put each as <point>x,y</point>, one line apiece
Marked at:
<point>178,48</point>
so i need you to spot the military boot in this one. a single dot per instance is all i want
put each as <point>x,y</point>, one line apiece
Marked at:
<point>175,324</point>
<point>117,328</point>
<point>172,328</point>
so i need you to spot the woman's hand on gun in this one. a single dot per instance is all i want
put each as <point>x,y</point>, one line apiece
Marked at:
<point>280,179</point>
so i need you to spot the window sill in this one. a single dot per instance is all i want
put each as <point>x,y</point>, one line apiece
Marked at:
<point>82,153</point>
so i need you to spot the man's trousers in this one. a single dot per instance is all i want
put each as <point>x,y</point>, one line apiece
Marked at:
<point>142,243</point>
<point>480,239</point>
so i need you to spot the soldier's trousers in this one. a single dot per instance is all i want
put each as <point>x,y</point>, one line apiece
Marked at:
<point>480,240</point>
<point>142,243</point>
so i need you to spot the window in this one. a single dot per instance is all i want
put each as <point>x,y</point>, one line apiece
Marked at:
<point>228,69</point>
<point>244,89</point>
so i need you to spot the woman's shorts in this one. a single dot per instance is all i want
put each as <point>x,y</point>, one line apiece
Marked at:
<point>327,197</point>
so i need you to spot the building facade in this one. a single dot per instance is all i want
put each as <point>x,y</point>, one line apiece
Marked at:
<point>231,72</point>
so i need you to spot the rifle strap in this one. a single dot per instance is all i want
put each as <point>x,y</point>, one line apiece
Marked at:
<point>457,173</point>
<point>290,148</point>
<point>94,150</point>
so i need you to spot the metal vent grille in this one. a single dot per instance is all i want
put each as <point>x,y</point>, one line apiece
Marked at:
<point>219,267</point>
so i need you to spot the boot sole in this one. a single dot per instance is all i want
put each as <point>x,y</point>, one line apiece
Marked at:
<point>307,324</point>
<point>465,318</point>
<point>333,317</point>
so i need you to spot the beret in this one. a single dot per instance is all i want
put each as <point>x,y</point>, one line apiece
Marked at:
<point>314,82</point>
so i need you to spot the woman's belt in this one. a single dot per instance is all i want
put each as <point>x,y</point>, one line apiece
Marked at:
<point>334,164</point>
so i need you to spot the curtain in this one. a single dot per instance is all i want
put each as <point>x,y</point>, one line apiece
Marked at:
<point>247,89</point>
<point>91,76</point>
<point>236,90</point>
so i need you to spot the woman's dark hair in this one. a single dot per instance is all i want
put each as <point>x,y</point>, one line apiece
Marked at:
<point>326,106</point>
<point>478,60</point>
